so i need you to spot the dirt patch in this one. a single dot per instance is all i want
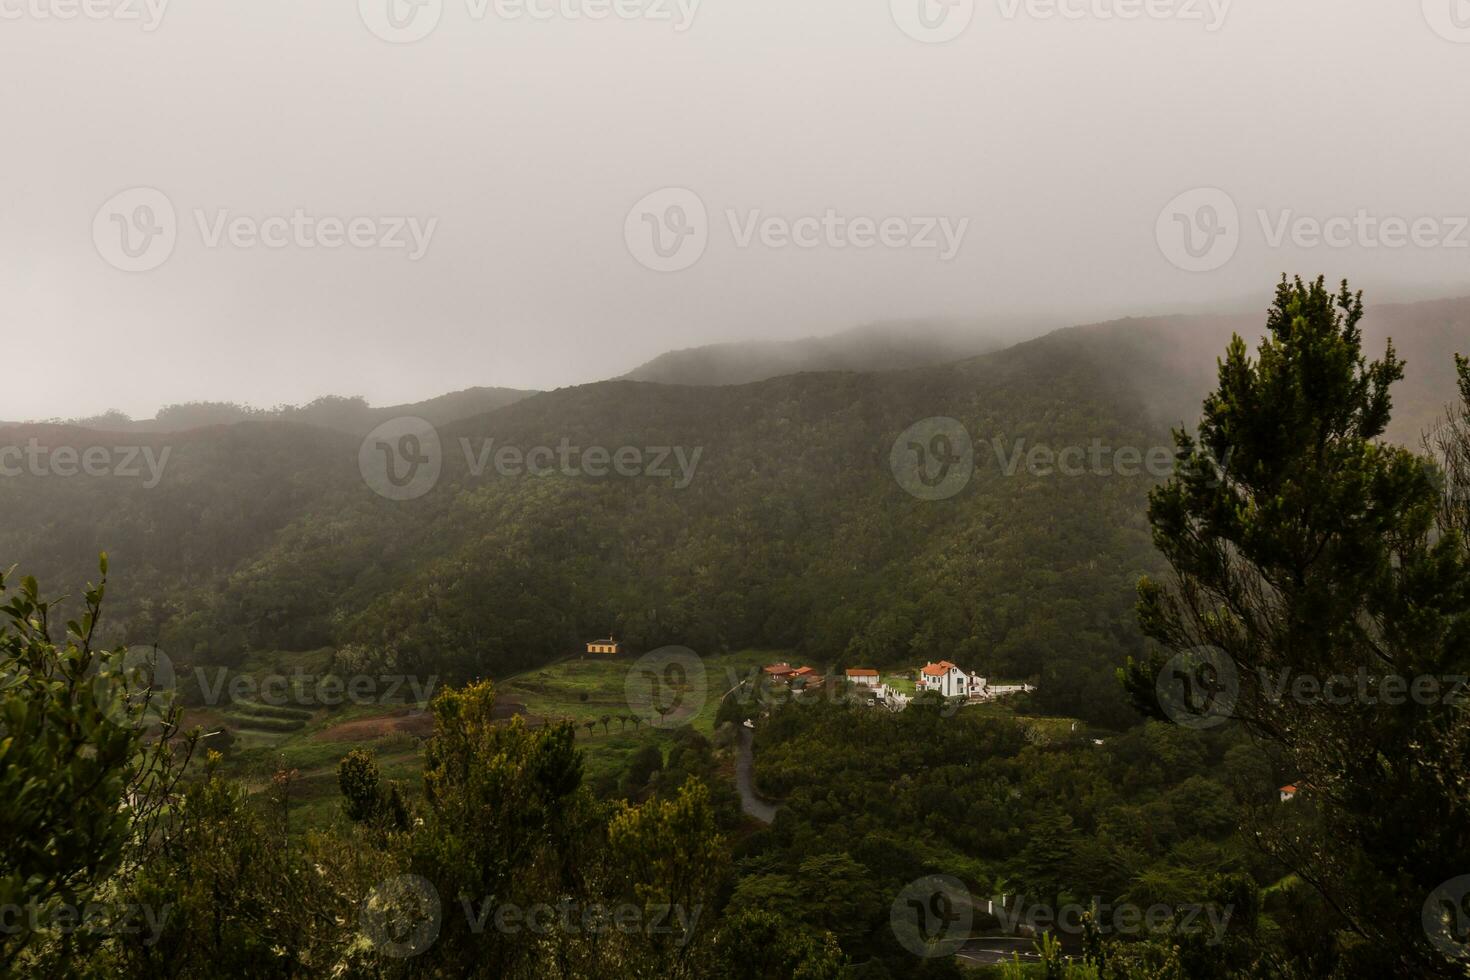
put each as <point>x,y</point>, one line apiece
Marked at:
<point>419,723</point>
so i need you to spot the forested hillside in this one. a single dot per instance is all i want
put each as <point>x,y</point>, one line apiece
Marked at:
<point>792,531</point>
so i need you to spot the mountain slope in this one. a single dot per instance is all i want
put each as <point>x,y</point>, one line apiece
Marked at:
<point>877,347</point>
<point>352,415</point>
<point>786,526</point>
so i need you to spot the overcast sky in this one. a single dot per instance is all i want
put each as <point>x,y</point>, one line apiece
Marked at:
<point>1050,141</point>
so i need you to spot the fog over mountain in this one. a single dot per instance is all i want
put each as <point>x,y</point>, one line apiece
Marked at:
<point>498,163</point>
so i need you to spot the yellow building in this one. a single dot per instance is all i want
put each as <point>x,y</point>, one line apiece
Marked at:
<point>608,645</point>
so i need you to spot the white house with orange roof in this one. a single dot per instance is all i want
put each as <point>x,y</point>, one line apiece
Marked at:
<point>950,681</point>
<point>862,677</point>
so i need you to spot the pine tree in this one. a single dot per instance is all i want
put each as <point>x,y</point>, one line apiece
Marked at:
<point>1315,577</point>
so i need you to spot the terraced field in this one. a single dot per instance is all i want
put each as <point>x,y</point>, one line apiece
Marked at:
<point>308,739</point>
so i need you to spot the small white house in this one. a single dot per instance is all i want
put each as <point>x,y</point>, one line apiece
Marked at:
<point>863,677</point>
<point>950,680</point>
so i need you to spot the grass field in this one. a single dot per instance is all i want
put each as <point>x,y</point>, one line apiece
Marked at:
<point>311,740</point>
<point>589,688</point>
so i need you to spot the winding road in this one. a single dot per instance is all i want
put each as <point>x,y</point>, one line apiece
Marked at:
<point>752,804</point>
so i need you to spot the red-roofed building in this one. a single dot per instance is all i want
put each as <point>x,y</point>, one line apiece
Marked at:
<point>1288,792</point>
<point>862,677</point>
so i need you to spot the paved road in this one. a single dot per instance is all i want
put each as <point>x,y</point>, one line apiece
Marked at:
<point>752,804</point>
<point>997,950</point>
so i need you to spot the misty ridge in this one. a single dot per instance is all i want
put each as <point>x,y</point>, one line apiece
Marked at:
<point>1168,361</point>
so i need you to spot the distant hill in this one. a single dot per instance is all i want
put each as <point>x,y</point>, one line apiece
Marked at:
<point>1170,362</point>
<point>344,414</point>
<point>876,347</point>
